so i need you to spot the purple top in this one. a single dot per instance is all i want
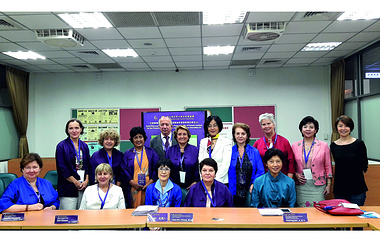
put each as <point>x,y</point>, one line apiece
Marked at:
<point>65,157</point>
<point>190,161</point>
<point>197,196</point>
<point>101,156</point>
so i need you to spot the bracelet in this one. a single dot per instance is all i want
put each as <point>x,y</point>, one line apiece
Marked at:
<point>27,206</point>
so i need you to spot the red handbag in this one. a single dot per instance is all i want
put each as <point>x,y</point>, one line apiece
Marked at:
<point>334,207</point>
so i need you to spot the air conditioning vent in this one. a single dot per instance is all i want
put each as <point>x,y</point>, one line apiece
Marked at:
<point>316,16</point>
<point>266,31</point>
<point>60,37</point>
<point>89,52</point>
<point>251,49</point>
<point>8,24</point>
<point>80,66</point>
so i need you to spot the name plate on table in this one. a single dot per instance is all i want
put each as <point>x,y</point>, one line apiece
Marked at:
<point>181,217</point>
<point>295,217</point>
<point>66,219</point>
<point>157,217</point>
<point>12,217</point>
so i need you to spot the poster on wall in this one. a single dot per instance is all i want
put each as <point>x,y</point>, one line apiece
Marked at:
<point>194,120</point>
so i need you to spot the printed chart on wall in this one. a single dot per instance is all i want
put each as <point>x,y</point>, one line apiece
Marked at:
<point>95,120</point>
<point>234,114</point>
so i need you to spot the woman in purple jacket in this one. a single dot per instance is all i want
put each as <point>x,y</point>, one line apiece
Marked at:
<point>72,159</point>
<point>209,192</point>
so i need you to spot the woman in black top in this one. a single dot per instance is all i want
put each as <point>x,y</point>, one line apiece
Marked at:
<point>351,162</point>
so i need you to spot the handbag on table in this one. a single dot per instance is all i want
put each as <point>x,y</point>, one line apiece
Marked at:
<point>335,207</point>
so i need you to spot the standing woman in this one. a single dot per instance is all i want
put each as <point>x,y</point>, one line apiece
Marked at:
<point>138,168</point>
<point>72,159</point>
<point>313,161</point>
<point>351,162</point>
<point>246,165</point>
<point>109,139</point>
<point>216,147</point>
<point>272,140</point>
<point>184,156</point>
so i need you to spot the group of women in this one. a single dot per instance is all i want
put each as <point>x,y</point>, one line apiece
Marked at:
<point>271,173</point>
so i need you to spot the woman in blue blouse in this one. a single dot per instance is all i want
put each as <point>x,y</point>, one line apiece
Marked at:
<point>164,192</point>
<point>29,192</point>
<point>274,189</point>
<point>246,165</point>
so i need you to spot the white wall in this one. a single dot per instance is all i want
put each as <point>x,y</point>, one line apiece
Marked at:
<point>296,92</point>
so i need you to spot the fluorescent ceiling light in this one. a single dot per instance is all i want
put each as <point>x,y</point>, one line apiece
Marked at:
<point>221,17</point>
<point>323,46</point>
<point>359,15</point>
<point>24,55</point>
<point>217,50</point>
<point>120,52</point>
<point>86,20</point>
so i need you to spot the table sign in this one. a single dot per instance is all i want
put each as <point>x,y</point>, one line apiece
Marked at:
<point>295,217</point>
<point>157,217</point>
<point>181,217</point>
<point>13,217</point>
<point>66,219</point>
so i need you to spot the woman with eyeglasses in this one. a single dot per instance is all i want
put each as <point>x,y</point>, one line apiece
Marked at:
<point>216,147</point>
<point>29,192</point>
<point>164,192</point>
<point>138,168</point>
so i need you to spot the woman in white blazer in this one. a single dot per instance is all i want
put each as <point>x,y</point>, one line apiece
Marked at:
<point>216,147</point>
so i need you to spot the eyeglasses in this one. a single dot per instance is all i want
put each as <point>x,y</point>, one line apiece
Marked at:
<point>166,169</point>
<point>213,126</point>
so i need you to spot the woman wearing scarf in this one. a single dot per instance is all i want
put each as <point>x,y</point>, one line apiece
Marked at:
<point>216,147</point>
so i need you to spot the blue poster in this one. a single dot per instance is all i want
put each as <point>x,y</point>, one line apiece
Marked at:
<point>194,120</point>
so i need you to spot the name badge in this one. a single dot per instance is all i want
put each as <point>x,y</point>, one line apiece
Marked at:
<point>307,173</point>
<point>81,175</point>
<point>241,178</point>
<point>182,176</point>
<point>141,179</point>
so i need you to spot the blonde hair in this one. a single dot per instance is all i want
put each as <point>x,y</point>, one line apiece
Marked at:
<point>182,127</point>
<point>103,168</point>
<point>109,132</point>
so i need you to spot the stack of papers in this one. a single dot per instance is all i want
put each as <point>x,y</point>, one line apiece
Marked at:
<point>143,210</point>
<point>270,211</point>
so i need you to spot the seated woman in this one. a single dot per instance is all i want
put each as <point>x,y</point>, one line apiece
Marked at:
<point>104,194</point>
<point>273,189</point>
<point>209,192</point>
<point>164,192</point>
<point>29,192</point>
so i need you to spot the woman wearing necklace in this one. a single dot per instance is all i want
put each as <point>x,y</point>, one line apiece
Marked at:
<point>313,161</point>
<point>109,139</point>
<point>208,192</point>
<point>104,194</point>
<point>245,167</point>
<point>138,168</point>
<point>72,159</point>
<point>273,140</point>
<point>216,147</point>
<point>184,156</point>
<point>164,192</point>
<point>29,192</point>
<point>351,162</point>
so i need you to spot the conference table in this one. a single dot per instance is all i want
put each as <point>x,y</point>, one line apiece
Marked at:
<point>203,218</point>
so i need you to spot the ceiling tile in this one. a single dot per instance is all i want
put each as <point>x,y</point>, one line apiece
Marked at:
<point>180,31</point>
<point>41,21</point>
<point>348,26</point>
<point>100,34</point>
<point>140,32</point>
<point>183,42</point>
<point>306,27</point>
<point>269,16</point>
<point>222,30</point>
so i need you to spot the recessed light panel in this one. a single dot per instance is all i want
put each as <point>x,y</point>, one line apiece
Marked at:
<point>218,50</point>
<point>322,46</point>
<point>223,17</point>
<point>24,55</point>
<point>86,20</point>
<point>359,15</point>
<point>120,52</point>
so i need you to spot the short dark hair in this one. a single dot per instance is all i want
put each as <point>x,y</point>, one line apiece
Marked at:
<point>164,162</point>
<point>307,120</point>
<point>273,152</point>
<point>345,120</point>
<point>30,157</point>
<point>208,121</point>
<point>210,162</point>
<point>245,127</point>
<point>74,120</point>
<point>136,130</point>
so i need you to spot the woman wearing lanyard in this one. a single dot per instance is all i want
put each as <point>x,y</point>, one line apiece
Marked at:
<point>209,192</point>
<point>314,169</point>
<point>29,192</point>
<point>245,167</point>
<point>272,140</point>
<point>72,159</point>
<point>184,156</point>
<point>109,139</point>
<point>103,195</point>
<point>164,192</point>
<point>217,147</point>
<point>138,168</point>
